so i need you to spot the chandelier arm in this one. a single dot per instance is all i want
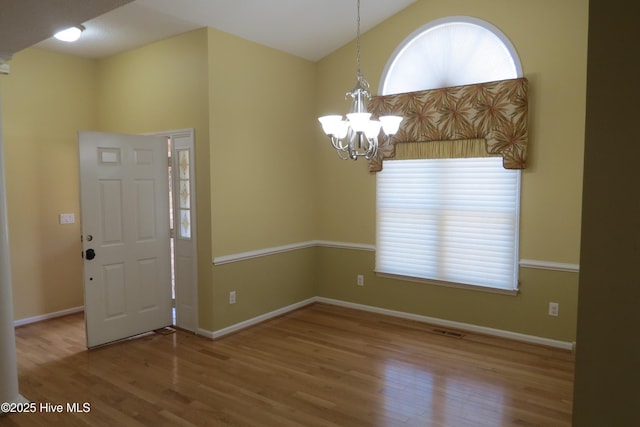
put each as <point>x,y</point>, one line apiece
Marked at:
<point>337,144</point>
<point>361,146</point>
<point>373,152</point>
<point>343,154</point>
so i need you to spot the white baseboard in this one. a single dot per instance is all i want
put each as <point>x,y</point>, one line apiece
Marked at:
<point>254,321</point>
<point>532,339</point>
<point>417,317</point>
<point>48,316</point>
<point>454,325</point>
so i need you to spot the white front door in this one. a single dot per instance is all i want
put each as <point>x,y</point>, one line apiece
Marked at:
<point>124,197</point>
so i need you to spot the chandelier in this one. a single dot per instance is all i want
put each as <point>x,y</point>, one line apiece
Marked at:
<point>357,135</point>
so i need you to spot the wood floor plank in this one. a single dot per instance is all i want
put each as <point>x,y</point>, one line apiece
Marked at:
<point>321,365</point>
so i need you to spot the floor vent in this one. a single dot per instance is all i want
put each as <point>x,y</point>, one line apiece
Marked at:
<point>447,333</point>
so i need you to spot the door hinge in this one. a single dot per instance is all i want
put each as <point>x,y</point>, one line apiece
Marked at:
<point>172,233</point>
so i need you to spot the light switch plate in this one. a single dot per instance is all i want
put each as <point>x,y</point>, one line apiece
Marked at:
<point>67,218</point>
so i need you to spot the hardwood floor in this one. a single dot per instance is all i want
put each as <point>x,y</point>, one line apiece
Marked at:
<point>318,366</point>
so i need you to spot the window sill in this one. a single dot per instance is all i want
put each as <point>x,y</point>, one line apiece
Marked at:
<point>512,292</point>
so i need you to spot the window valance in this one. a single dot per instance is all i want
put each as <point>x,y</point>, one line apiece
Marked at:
<point>495,112</point>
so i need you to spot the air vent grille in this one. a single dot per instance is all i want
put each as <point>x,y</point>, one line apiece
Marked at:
<point>448,333</point>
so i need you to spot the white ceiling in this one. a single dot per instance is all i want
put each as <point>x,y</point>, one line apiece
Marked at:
<point>310,29</point>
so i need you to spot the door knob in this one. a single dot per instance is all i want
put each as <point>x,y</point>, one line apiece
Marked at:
<point>90,254</point>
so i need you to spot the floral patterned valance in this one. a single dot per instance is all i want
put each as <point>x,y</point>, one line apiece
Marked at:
<point>496,112</point>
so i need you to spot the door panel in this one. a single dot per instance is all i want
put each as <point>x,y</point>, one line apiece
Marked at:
<point>115,293</point>
<point>110,204</point>
<point>145,212</point>
<point>125,221</point>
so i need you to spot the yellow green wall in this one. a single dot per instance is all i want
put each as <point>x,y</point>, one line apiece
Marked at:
<point>262,127</point>
<point>266,176</point>
<point>551,40</point>
<point>161,86</point>
<point>45,100</point>
<point>263,175</point>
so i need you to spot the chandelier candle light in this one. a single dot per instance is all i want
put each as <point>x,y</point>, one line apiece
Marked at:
<point>357,136</point>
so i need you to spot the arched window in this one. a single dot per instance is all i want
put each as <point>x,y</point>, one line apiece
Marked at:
<point>452,51</point>
<point>450,219</point>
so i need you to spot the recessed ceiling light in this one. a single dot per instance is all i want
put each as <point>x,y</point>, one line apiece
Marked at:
<point>70,34</point>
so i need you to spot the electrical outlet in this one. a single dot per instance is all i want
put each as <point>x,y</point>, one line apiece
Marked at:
<point>360,280</point>
<point>553,308</point>
<point>232,297</point>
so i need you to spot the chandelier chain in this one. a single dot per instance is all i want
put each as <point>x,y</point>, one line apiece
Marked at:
<point>358,43</point>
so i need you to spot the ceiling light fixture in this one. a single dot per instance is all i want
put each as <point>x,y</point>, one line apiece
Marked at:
<point>357,136</point>
<point>70,34</point>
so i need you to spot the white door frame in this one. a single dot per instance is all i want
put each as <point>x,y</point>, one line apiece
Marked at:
<point>186,276</point>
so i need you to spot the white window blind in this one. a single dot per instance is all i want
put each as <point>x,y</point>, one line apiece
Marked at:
<point>449,220</point>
